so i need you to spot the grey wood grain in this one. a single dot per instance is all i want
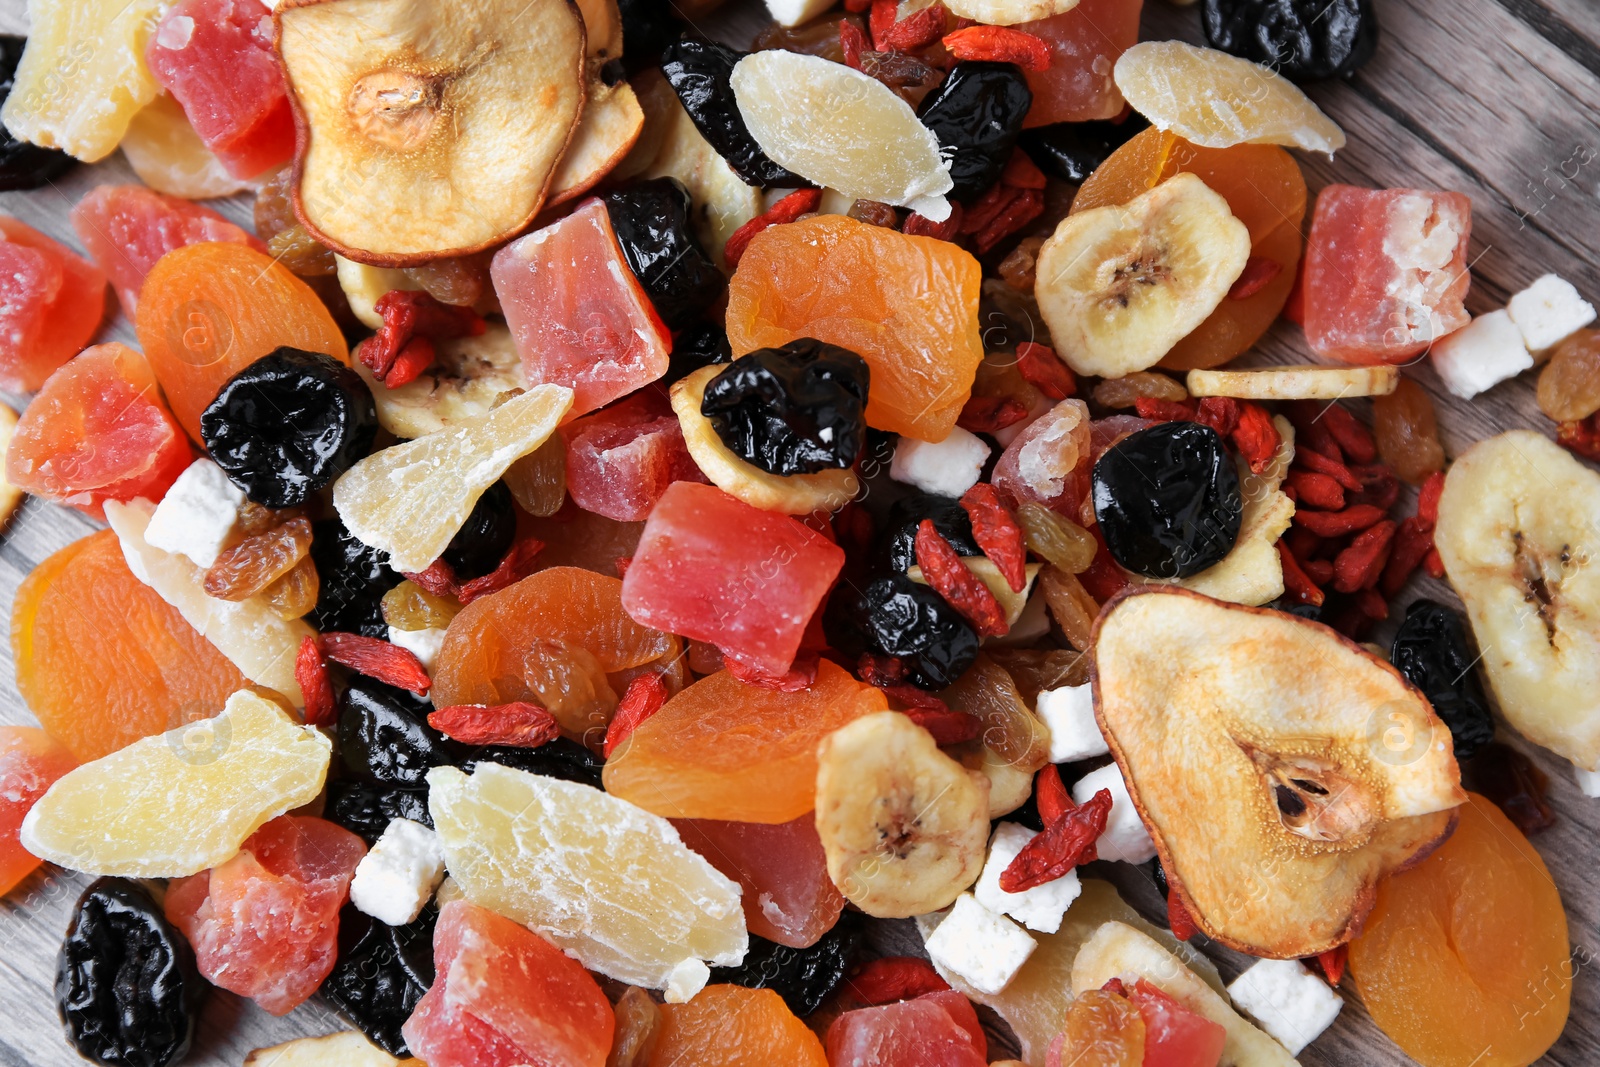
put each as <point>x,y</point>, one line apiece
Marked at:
<point>1494,98</point>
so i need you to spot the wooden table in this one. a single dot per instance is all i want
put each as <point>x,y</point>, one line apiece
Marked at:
<point>1498,99</point>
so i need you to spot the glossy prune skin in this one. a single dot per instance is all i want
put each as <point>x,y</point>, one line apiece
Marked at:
<point>1167,499</point>
<point>1432,650</point>
<point>366,809</point>
<point>651,221</point>
<point>352,580</point>
<point>384,735</point>
<point>1304,40</point>
<point>803,977</point>
<point>949,518</point>
<point>1072,151</point>
<point>127,988</point>
<point>976,115</point>
<point>699,72</point>
<point>894,616</point>
<point>24,165</point>
<point>562,758</point>
<point>1515,784</point>
<point>699,345</point>
<point>380,974</point>
<point>289,424</point>
<point>798,409</point>
<point>486,536</point>
<point>648,27</point>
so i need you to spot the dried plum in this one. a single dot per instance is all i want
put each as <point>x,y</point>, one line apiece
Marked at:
<point>699,72</point>
<point>1513,782</point>
<point>976,115</point>
<point>366,809</point>
<point>894,616</point>
<point>127,987</point>
<point>352,580</point>
<point>24,165</point>
<point>1304,40</point>
<point>1072,150</point>
<point>561,758</point>
<point>803,977</point>
<point>486,536</point>
<point>651,221</point>
<point>648,27</point>
<point>380,974</point>
<point>699,345</point>
<point>1432,650</point>
<point>384,735</point>
<point>1167,500</point>
<point>798,409</point>
<point>949,518</point>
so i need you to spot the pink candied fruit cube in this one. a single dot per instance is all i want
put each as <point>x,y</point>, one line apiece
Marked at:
<point>1385,272</point>
<point>1175,1035</point>
<point>621,459</point>
<point>576,312</point>
<point>30,763</point>
<point>503,995</point>
<point>51,304</point>
<point>265,924</point>
<point>934,1030</point>
<point>713,568</point>
<point>1049,462</point>
<point>1085,44</point>
<point>788,896</point>
<point>215,57</point>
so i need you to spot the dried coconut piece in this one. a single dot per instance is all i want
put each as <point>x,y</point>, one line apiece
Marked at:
<point>606,881</point>
<point>842,129</point>
<point>179,803</point>
<point>1216,100</point>
<point>410,499</point>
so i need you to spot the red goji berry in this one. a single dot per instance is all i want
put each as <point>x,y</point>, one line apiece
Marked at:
<point>1371,604</point>
<point>1221,413</point>
<point>311,675</point>
<point>800,675</point>
<point>880,21</point>
<point>1041,367</point>
<point>921,226</point>
<point>894,978</point>
<point>1338,523</point>
<point>645,696</point>
<point>948,576</point>
<point>1104,579</point>
<point>1318,570</point>
<point>1579,437</point>
<point>439,578</point>
<point>512,569</point>
<point>1019,210</point>
<point>1295,580</point>
<point>1360,565</point>
<point>947,727</point>
<point>856,7</point>
<point>880,671</point>
<point>1303,543</point>
<point>852,42</point>
<point>518,724</point>
<point>788,209</point>
<point>1155,410</point>
<point>1428,499</point>
<point>378,659</point>
<point>1179,921</point>
<point>997,533</point>
<point>1315,461</point>
<point>1412,541</point>
<point>1255,437</point>
<point>999,44</point>
<point>416,357</point>
<point>1050,796</point>
<point>986,414</point>
<point>1021,172</point>
<point>1332,963</point>
<point>411,314</point>
<point>1433,564</point>
<point>1310,432</point>
<point>1064,844</point>
<point>915,32</point>
<point>1258,271</point>
<point>1316,490</point>
<point>1355,440</point>
<point>1379,486</point>
<point>987,207</point>
<point>914,698</point>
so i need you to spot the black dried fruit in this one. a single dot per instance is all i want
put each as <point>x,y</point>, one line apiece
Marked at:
<point>384,735</point>
<point>976,115</point>
<point>803,977</point>
<point>24,165</point>
<point>894,616</point>
<point>1167,500</point>
<point>651,221</point>
<point>648,27</point>
<point>1072,150</point>
<point>1432,650</point>
<point>352,580</point>
<point>699,345</point>
<point>486,536</point>
<point>798,409</point>
<point>366,809</point>
<point>949,518</point>
<point>288,424</point>
<point>127,987</point>
<point>380,974</point>
<point>561,758</point>
<point>1304,40</point>
<point>1514,783</point>
<point>699,72</point>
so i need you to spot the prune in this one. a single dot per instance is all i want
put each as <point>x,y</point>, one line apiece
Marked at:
<point>949,518</point>
<point>1167,500</point>
<point>651,221</point>
<point>1304,40</point>
<point>1072,150</point>
<point>366,809</point>
<point>648,27</point>
<point>381,973</point>
<point>127,987</point>
<point>798,409</point>
<point>1511,780</point>
<point>353,578</point>
<point>561,758</point>
<point>23,165</point>
<point>895,616</point>
<point>486,536</point>
<point>699,72</point>
<point>803,977</point>
<point>384,735</point>
<point>976,115</point>
<point>699,345</point>
<point>1432,651</point>
<point>288,424</point>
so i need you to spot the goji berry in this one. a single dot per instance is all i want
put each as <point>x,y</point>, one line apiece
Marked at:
<point>512,569</point>
<point>518,724</point>
<point>311,674</point>
<point>1412,541</point>
<point>948,576</point>
<point>1021,172</point>
<point>1039,365</point>
<point>894,978</point>
<point>1316,490</point>
<point>788,209</point>
<point>947,727</point>
<point>1050,795</point>
<point>378,659</point>
<point>1338,523</point>
<point>800,675</point>
<point>1021,208</point>
<point>1318,570</point>
<point>1295,580</point>
<point>645,696</point>
<point>912,697</point>
<point>1361,564</point>
<point>439,578</point>
<point>1179,921</point>
<point>997,533</point>
<point>917,225</point>
<point>1371,604</point>
<point>856,7</point>
<point>1428,498</point>
<point>1156,410</point>
<point>1310,431</point>
<point>880,671</point>
<point>1115,985</point>
<point>409,315</point>
<point>1104,579</point>
<point>914,32</point>
<point>1303,543</point>
<point>1221,413</point>
<point>986,414</point>
<point>1433,564</point>
<point>1258,271</point>
<point>852,42</point>
<point>1355,440</point>
<point>1316,462</point>
<point>1063,845</point>
<point>1332,963</point>
<point>1580,437</point>
<point>999,44</point>
<point>1379,486</point>
<point>1255,437</point>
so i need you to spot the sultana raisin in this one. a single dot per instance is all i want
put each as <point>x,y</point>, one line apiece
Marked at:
<point>1407,432</point>
<point>286,238</point>
<point>875,213</point>
<point>408,606</point>
<point>1569,385</point>
<point>1018,268</point>
<point>1070,604</point>
<point>819,37</point>
<point>295,594</point>
<point>461,281</point>
<point>258,561</point>
<point>1057,539</point>
<point>1036,670</point>
<point>1122,392</point>
<point>538,481</point>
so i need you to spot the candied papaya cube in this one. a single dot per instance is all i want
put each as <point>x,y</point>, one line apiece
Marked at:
<point>1085,44</point>
<point>578,315</point>
<point>788,896</point>
<point>712,568</point>
<point>731,1026</point>
<point>620,460</point>
<point>51,304</point>
<point>1385,272</point>
<point>30,763</point>
<point>934,1030</point>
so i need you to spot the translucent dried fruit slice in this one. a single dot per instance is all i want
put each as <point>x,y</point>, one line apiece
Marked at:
<point>170,157</point>
<point>936,1029</point>
<point>607,882</point>
<point>731,1026</point>
<point>607,129</point>
<point>55,301</point>
<point>841,129</point>
<point>1217,100</point>
<point>30,763</point>
<point>1085,44</point>
<point>1048,463</point>
<point>347,1048</point>
<point>621,460</point>
<point>576,538</point>
<point>788,897</point>
<point>184,801</point>
<point>410,499</point>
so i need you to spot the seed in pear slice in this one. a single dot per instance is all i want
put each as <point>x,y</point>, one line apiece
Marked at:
<point>1119,286</point>
<point>1216,100</point>
<point>1517,535</point>
<point>1280,769</point>
<point>1295,383</point>
<point>181,802</point>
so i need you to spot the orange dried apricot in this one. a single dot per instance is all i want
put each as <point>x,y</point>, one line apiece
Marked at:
<point>731,1026</point>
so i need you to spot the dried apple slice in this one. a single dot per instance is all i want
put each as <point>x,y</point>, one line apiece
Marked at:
<point>427,130</point>
<point>612,117</point>
<point>1281,769</point>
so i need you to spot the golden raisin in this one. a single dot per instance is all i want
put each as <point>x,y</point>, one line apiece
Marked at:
<point>1407,432</point>
<point>638,1027</point>
<point>1056,538</point>
<point>287,240</point>
<point>259,560</point>
<point>1035,669</point>
<point>459,280</point>
<point>295,594</point>
<point>1569,385</point>
<point>1070,604</point>
<point>1010,730</point>
<point>1122,392</point>
<point>1018,268</point>
<point>408,607</point>
<point>875,213</point>
<point>538,481</point>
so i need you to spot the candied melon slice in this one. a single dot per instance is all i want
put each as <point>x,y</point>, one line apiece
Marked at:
<point>181,802</point>
<point>606,881</point>
<point>170,157</point>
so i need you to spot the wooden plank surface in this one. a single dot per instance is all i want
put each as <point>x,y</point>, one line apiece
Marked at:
<point>1499,99</point>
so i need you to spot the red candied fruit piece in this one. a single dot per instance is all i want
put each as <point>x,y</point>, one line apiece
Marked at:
<point>1175,1036</point>
<point>1085,44</point>
<point>265,924</point>
<point>98,431</point>
<point>712,568</point>
<point>51,304</point>
<point>127,228</point>
<point>788,896</point>
<point>215,57</point>
<point>620,460</point>
<point>30,763</point>
<point>503,995</point>
<point>578,315</point>
<point>1048,463</point>
<point>934,1030</point>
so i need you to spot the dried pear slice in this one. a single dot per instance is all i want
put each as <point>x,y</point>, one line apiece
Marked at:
<point>181,802</point>
<point>609,883</point>
<point>427,130</point>
<point>1295,383</point>
<point>410,499</point>
<point>612,119</point>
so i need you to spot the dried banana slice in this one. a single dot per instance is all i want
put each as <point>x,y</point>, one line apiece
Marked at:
<point>471,376</point>
<point>1295,383</point>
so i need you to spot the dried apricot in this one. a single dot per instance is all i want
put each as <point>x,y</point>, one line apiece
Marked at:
<point>731,1026</point>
